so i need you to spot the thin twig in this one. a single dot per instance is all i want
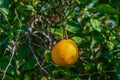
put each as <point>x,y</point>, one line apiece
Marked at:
<point>46,35</point>
<point>13,53</point>
<point>43,33</point>
<point>20,22</point>
<point>94,73</point>
<point>38,46</point>
<point>81,58</point>
<point>48,66</point>
<point>40,38</point>
<point>29,43</point>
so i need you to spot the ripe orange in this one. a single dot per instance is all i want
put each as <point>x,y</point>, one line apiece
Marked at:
<point>65,53</point>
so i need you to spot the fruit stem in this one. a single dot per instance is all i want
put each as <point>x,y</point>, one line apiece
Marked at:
<point>65,32</point>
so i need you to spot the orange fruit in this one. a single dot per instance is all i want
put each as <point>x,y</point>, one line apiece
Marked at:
<point>65,53</point>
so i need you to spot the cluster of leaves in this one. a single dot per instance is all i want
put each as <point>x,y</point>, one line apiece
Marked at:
<point>30,28</point>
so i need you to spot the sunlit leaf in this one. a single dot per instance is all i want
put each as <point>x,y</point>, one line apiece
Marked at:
<point>57,30</point>
<point>4,6</point>
<point>95,24</point>
<point>44,78</point>
<point>47,56</point>
<point>45,8</point>
<point>77,40</point>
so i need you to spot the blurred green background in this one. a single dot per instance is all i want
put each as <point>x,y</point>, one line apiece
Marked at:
<point>30,28</point>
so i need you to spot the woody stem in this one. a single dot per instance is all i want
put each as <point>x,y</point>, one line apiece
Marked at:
<point>65,32</point>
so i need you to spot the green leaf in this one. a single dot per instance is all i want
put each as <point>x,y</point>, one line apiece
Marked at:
<point>75,78</point>
<point>4,45</point>
<point>57,30</point>
<point>95,1</point>
<point>25,8</point>
<point>44,78</point>
<point>105,8</point>
<point>29,64</point>
<point>4,6</point>
<point>95,24</point>
<point>70,13</point>
<point>83,1</point>
<point>45,8</point>
<point>100,66</point>
<point>23,52</point>
<point>12,70</point>
<point>7,77</point>
<point>47,56</point>
<point>5,42</point>
<point>77,40</point>
<point>74,27</point>
<point>97,36</point>
<point>118,70</point>
<point>90,77</point>
<point>109,45</point>
<point>3,63</point>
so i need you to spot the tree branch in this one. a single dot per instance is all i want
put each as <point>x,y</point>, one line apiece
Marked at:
<point>13,53</point>
<point>29,43</point>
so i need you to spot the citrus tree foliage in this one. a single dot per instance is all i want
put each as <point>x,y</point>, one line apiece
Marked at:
<point>30,28</point>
